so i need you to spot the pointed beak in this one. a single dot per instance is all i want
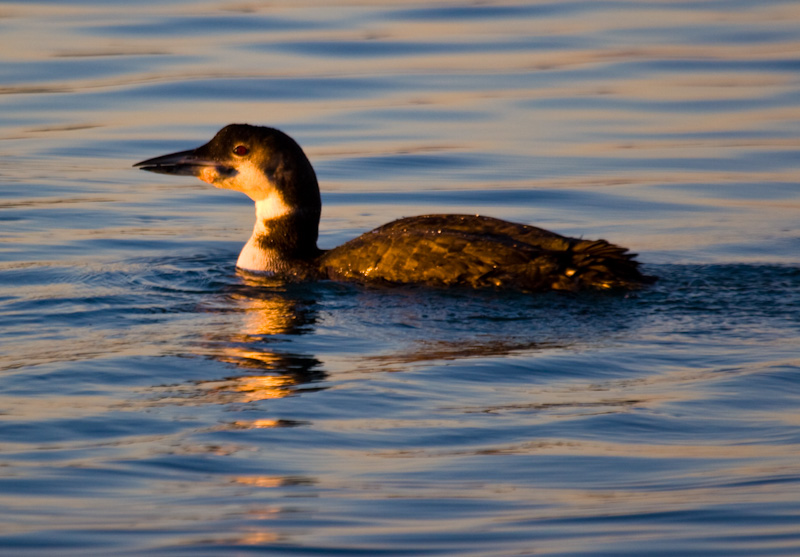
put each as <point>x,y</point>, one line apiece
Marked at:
<point>185,163</point>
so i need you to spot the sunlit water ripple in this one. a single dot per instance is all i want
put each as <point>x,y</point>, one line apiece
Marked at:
<point>154,401</point>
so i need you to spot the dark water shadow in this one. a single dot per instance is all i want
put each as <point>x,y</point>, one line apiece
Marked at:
<point>273,338</point>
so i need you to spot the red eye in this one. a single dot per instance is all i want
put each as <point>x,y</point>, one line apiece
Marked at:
<point>241,150</point>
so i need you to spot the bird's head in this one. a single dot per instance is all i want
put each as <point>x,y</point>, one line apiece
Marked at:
<point>258,161</point>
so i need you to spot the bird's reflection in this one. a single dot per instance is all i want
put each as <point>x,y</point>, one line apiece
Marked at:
<point>256,322</point>
<point>255,317</point>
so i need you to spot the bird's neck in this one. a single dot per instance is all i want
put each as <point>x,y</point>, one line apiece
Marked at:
<point>284,238</point>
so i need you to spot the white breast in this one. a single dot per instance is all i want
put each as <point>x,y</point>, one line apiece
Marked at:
<point>253,257</point>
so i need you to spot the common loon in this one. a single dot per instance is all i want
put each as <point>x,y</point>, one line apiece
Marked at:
<point>435,250</point>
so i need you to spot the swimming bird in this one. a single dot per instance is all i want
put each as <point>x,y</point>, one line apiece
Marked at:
<point>441,250</point>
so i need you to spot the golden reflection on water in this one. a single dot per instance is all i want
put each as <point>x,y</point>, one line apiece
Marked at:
<point>264,373</point>
<point>245,389</point>
<point>267,309</point>
<point>259,537</point>
<point>265,424</point>
<point>261,481</point>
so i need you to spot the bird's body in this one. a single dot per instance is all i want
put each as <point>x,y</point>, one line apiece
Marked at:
<point>434,250</point>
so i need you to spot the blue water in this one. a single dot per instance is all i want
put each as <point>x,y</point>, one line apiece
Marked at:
<point>154,401</point>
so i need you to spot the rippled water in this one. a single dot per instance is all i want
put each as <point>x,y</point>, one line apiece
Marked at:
<point>152,400</point>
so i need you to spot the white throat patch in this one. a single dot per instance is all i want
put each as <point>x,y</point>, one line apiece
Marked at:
<point>271,207</point>
<point>253,257</point>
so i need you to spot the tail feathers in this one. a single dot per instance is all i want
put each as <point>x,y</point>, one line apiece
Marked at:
<point>601,265</point>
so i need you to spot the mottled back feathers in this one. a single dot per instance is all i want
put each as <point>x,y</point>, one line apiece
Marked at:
<point>479,252</point>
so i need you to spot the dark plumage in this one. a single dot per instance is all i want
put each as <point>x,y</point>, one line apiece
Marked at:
<point>434,250</point>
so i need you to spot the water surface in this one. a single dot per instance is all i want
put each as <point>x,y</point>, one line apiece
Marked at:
<point>154,401</point>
